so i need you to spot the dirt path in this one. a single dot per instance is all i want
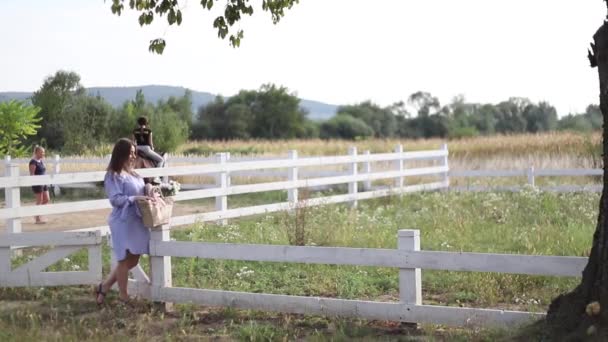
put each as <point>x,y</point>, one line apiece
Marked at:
<point>92,218</point>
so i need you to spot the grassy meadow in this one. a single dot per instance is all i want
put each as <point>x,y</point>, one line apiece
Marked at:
<point>528,222</point>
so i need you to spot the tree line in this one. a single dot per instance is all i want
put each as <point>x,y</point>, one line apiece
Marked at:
<point>273,113</point>
<point>72,121</point>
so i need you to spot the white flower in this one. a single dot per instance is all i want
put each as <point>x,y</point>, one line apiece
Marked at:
<point>245,272</point>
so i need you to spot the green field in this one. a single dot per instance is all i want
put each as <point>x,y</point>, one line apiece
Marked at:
<point>528,222</point>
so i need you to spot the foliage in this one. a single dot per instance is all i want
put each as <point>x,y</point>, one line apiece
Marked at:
<point>380,120</point>
<point>345,126</point>
<point>85,123</point>
<point>168,130</point>
<point>17,122</point>
<point>224,22</point>
<point>74,121</point>
<point>54,97</point>
<point>270,112</point>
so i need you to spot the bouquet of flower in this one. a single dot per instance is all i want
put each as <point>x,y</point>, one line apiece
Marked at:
<point>170,188</point>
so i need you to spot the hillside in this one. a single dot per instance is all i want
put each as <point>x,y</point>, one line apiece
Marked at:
<point>118,95</point>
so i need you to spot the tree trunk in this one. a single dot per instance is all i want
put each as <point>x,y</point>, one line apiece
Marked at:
<point>570,316</point>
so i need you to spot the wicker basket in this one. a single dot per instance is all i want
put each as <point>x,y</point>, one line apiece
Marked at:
<point>155,212</point>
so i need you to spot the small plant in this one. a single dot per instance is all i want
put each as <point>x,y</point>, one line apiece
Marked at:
<point>297,221</point>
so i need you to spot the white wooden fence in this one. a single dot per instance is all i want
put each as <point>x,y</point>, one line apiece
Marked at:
<point>530,174</point>
<point>61,244</point>
<point>14,211</point>
<point>407,257</point>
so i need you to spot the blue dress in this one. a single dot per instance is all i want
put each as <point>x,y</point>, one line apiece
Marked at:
<point>127,228</point>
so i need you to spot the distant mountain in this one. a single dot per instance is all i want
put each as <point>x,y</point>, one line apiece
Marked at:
<point>14,95</point>
<point>116,96</point>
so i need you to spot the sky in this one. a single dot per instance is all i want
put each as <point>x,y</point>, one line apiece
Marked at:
<point>334,51</point>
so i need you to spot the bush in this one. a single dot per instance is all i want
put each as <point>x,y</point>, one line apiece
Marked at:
<point>346,127</point>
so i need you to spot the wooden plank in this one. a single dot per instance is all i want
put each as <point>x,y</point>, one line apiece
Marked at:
<point>448,261</point>
<point>268,208</point>
<point>279,253</point>
<point>487,173</point>
<point>51,279</point>
<point>348,308</point>
<point>95,260</point>
<point>41,262</point>
<point>516,188</point>
<point>139,289</point>
<point>53,209</point>
<point>569,172</point>
<point>103,230</point>
<point>502,263</point>
<point>139,274</point>
<point>51,239</point>
<point>58,179</point>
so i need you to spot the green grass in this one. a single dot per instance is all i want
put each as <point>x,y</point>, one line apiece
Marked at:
<point>528,222</point>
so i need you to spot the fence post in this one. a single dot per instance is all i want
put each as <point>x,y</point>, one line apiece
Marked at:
<point>12,196</point>
<point>367,168</point>
<point>56,170</point>
<point>221,180</point>
<point>5,253</point>
<point>160,268</point>
<point>399,167</point>
<point>228,180</point>
<point>352,186</point>
<point>530,173</point>
<point>410,279</point>
<point>292,176</point>
<point>446,174</point>
<point>166,175</point>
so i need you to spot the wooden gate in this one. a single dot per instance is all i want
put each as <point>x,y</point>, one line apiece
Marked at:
<point>55,246</point>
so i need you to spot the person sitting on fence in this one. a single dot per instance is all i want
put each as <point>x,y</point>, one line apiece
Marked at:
<point>142,135</point>
<point>37,168</point>
<point>130,238</point>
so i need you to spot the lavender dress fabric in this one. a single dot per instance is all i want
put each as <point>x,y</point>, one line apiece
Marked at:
<point>128,230</point>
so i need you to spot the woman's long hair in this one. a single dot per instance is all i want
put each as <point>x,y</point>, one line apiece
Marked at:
<point>121,157</point>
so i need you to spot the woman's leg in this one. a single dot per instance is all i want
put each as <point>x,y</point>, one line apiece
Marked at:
<point>158,159</point>
<point>39,200</point>
<point>120,274</point>
<point>45,197</point>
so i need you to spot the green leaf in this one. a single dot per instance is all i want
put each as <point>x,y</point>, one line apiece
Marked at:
<point>157,46</point>
<point>171,17</point>
<point>179,17</point>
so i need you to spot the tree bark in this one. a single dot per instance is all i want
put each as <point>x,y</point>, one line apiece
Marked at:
<point>569,317</point>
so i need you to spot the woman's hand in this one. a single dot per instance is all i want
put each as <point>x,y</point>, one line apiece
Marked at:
<point>146,198</point>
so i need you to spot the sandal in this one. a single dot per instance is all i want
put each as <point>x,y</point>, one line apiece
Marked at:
<point>98,292</point>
